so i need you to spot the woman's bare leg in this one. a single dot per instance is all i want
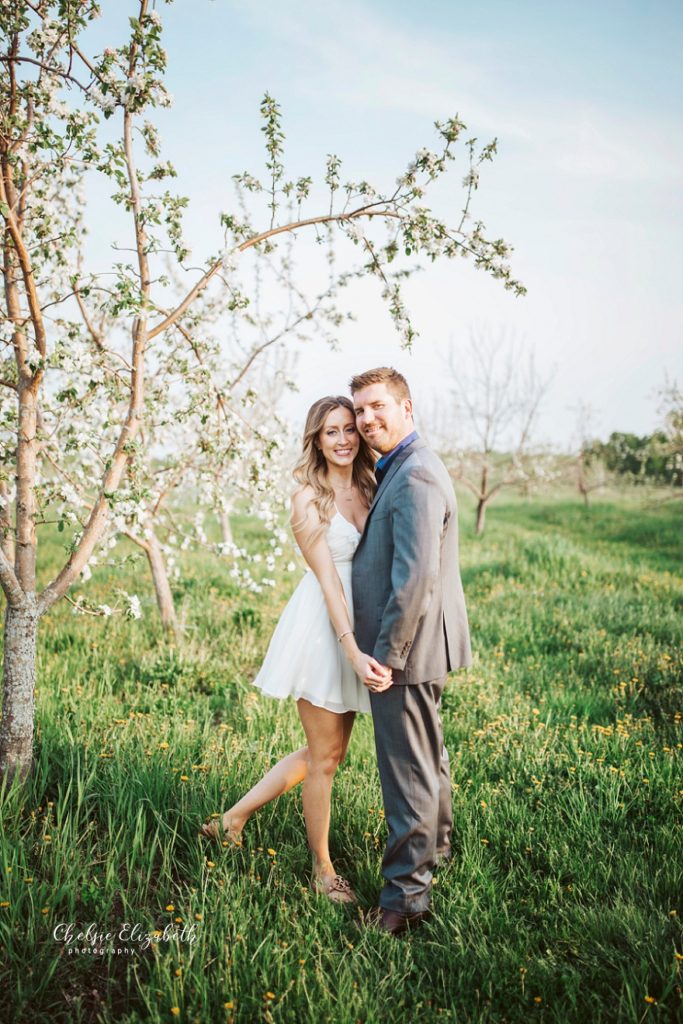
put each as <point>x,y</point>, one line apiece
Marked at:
<point>286,773</point>
<point>328,737</point>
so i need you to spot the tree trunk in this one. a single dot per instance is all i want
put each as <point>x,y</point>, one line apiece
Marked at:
<point>162,587</point>
<point>16,730</point>
<point>481,515</point>
<point>483,497</point>
<point>226,528</point>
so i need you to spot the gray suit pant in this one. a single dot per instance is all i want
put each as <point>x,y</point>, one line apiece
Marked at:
<point>416,787</point>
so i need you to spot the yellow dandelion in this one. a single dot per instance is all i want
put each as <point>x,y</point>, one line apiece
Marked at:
<point>45,910</point>
<point>210,864</point>
<point>28,880</point>
<point>175,1010</point>
<point>47,839</point>
<point>169,906</point>
<point>679,956</point>
<point>197,917</point>
<point>271,852</point>
<point>4,903</point>
<point>270,995</point>
<point>229,1005</point>
<point>538,999</point>
<point>178,920</point>
<point>650,999</point>
<point>184,778</point>
<point>178,971</point>
<point>164,746</point>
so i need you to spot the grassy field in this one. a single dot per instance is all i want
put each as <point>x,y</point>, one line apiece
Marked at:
<point>564,898</point>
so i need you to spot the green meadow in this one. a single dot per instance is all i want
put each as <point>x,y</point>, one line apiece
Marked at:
<point>563,901</point>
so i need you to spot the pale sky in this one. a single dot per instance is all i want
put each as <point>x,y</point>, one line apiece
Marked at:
<point>585,101</point>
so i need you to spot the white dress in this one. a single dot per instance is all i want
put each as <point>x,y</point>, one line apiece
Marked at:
<point>304,658</point>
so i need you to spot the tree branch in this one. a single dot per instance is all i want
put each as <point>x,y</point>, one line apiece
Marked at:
<point>170,320</point>
<point>10,584</point>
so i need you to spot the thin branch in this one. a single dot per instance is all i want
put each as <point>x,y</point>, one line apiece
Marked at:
<point>170,320</point>
<point>45,67</point>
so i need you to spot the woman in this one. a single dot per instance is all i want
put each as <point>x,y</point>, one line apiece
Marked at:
<point>313,655</point>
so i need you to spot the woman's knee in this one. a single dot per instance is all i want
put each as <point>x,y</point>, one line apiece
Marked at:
<point>325,762</point>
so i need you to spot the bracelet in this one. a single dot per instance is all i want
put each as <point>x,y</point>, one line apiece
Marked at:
<point>349,632</point>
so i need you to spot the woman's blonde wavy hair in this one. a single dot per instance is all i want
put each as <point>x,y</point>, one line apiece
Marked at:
<point>311,467</point>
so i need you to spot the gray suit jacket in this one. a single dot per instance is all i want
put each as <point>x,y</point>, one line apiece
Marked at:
<point>408,601</point>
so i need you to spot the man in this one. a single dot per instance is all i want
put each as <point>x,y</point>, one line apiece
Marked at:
<point>409,612</point>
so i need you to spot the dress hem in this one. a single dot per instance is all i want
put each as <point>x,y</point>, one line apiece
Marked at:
<point>315,703</point>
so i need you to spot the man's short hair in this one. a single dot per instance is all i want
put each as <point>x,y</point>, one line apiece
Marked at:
<point>395,381</point>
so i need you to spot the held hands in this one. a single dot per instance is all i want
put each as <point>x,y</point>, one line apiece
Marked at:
<point>376,677</point>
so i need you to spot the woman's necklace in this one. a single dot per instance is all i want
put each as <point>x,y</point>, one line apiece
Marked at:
<point>349,496</point>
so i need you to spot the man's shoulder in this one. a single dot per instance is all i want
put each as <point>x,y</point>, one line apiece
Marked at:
<point>423,470</point>
<point>423,461</point>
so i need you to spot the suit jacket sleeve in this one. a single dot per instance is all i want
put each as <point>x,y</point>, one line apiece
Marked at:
<point>418,517</point>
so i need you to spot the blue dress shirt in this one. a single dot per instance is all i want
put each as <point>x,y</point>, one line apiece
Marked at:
<point>382,465</point>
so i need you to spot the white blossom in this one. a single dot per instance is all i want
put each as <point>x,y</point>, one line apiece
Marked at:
<point>229,260</point>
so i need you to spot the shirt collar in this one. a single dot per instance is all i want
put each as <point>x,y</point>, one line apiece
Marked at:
<point>384,461</point>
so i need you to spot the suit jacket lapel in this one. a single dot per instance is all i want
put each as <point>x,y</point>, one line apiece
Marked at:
<point>396,463</point>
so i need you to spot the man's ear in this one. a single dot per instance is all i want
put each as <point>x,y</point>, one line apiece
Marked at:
<point>408,406</point>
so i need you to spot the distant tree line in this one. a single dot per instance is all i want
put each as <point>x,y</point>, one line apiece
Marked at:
<point>642,459</point>
<point>653,458</point>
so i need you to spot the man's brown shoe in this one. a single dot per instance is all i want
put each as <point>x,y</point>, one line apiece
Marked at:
<point>392,922</point>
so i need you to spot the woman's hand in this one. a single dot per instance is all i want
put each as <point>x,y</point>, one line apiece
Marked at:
<point>373,675</point>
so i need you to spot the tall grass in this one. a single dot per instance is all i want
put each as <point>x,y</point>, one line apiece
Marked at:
<point>562,902</point>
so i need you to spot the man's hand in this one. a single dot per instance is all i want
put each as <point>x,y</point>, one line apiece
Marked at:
<point>373,675</point>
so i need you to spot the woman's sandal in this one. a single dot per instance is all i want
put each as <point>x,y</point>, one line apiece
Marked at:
<point>214,830</point>
<point>335,888</point>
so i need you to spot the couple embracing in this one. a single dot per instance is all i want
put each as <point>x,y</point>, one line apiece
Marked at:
<point>375,625</point>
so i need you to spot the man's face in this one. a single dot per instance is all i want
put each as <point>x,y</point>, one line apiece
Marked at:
<point>381,419</point>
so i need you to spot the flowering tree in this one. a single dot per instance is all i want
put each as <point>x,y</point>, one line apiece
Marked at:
<point>205,437</point>
<point>497,393</point>
<point>55,101</point>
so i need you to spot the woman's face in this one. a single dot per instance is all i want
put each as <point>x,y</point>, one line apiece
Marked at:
<point>338,438</point>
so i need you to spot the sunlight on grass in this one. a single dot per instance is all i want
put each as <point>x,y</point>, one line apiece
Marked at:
<point>563,898</point>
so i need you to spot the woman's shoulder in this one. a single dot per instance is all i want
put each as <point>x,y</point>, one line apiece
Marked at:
<point>302,503</point>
